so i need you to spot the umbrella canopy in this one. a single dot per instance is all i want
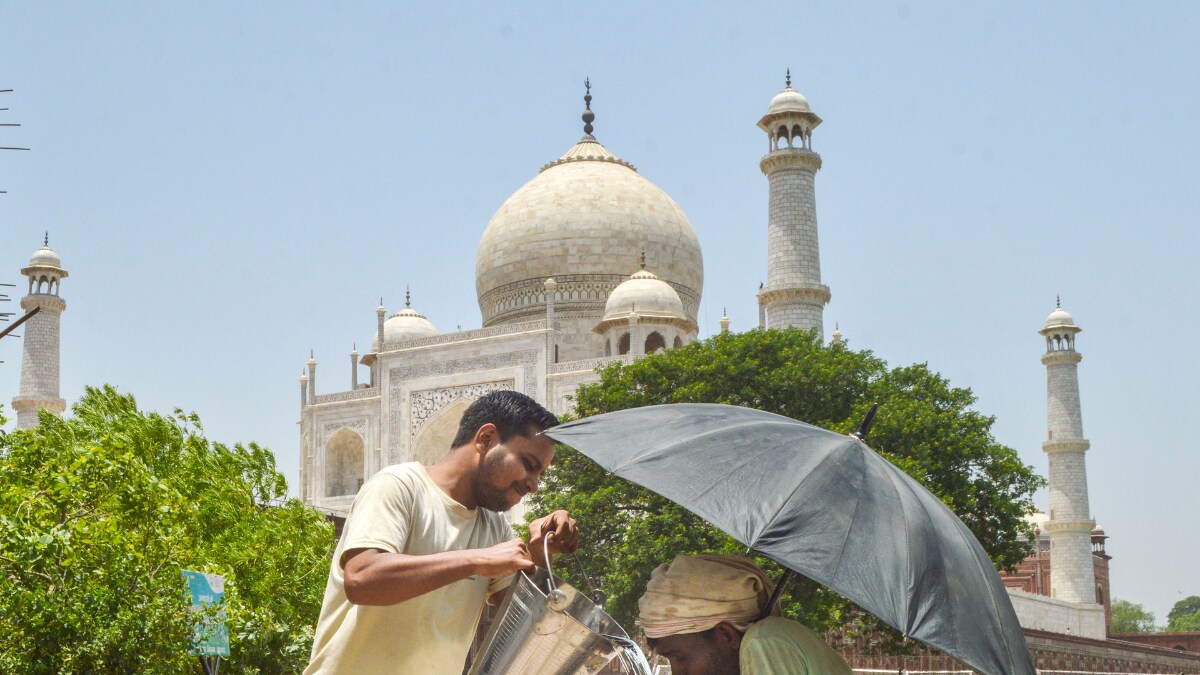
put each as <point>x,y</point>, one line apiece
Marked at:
<point>826,506</point>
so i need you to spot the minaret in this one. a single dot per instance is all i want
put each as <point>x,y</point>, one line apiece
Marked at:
<point>1072,576</point>
<point>39,358</point>
<point>794,295</point>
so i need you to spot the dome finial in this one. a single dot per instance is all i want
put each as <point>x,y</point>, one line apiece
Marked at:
<point>588,115</point>
<point>788,80</point>
<point>407,297</point>
<point>1058,301</point>
<point>643,257</point>
<point>46,240</point>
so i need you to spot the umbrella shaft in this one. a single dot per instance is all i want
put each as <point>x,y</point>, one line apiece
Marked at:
<point>776,594</point>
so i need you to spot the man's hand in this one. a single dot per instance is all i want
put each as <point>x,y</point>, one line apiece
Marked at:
<point>504,559</point>
<point>563,533</point>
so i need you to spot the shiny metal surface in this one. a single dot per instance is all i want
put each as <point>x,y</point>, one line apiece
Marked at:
<point>529,636</point>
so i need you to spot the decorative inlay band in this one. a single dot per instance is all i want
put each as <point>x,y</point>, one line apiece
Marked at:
<point>358,426</point>
<point>352,395</point>
<point>587,158</point>
<point>425,404</point>
<point>578,292</point>
<point>588,365</point>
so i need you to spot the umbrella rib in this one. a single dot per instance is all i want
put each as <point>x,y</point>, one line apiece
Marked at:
<point>857,502</point>
<point>897,483</point>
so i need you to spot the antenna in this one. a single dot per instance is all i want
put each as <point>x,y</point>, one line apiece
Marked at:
<point>8,124</point>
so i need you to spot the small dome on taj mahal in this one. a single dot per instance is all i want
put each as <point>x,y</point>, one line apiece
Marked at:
<point>645,294</point>
<point>407,324</point>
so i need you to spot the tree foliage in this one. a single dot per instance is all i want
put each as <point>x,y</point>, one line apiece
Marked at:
<point>100,512</point>
<point>1185,615</point>
<point>925,426</point>
<point>1128,617</point>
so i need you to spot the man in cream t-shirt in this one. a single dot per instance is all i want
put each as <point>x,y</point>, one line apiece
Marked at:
<point>424,547</point>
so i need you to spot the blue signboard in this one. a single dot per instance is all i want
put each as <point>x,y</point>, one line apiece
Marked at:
<point>210,637</point>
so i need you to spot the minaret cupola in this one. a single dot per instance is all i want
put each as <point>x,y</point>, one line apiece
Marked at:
<point>789,121</point>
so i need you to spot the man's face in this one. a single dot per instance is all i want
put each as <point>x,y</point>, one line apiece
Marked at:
<point>511,470</point>
<point>707,653</point>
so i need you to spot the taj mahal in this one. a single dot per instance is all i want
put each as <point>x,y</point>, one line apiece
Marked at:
<point>586,264</point>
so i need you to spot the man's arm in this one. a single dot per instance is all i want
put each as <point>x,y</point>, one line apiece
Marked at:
<point>376,577</point>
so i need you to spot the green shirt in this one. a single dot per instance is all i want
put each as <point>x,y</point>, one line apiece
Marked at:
<point>776,646</point>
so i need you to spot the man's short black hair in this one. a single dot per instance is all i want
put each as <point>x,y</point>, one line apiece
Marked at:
<point>511,411</point>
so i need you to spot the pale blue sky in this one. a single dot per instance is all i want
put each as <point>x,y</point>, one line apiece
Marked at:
<point>232,184</point>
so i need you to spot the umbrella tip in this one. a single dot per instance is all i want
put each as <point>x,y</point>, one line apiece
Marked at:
<point>865,427</point>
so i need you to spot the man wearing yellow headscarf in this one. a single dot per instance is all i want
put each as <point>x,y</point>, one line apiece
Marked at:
<point>701,614</point>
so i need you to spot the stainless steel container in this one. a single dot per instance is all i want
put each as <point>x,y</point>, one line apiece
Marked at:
<point>547,627</point>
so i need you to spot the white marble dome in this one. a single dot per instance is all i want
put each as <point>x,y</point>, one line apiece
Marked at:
<point>788,100</point>
<point>581,220</point>
<point>45,257</point>
<point>407,324</point>
<point>1059,317</point>
<point>646,294</point>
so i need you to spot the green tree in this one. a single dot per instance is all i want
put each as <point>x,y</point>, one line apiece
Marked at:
<point>1185,615</point>
<point>100,512</point>
<point>925,426</point>
<point>1128,617</point>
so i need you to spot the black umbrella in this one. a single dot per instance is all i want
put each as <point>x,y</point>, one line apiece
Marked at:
<point>825,505</point>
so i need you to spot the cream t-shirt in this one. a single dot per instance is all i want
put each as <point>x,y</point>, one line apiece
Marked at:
<point>402,510</point>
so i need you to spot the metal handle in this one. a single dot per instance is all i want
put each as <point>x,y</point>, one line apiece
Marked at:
<point>555,599</point>
<point>546,553</point>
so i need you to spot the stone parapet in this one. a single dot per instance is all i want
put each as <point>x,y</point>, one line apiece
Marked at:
<point>788,158</point>
<point>589,365</point>
<point>27,408</point>
<point>464,336</point>
<point>352,395</point>
<point>1058,616</point>
<point>802,292</point>
<point>1071,526</point>
<point>1061,357</point>
<point>48,302</point>
<point>1066,445</point>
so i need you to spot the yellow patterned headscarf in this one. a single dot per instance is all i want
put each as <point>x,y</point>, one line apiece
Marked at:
<point>692,594</point>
